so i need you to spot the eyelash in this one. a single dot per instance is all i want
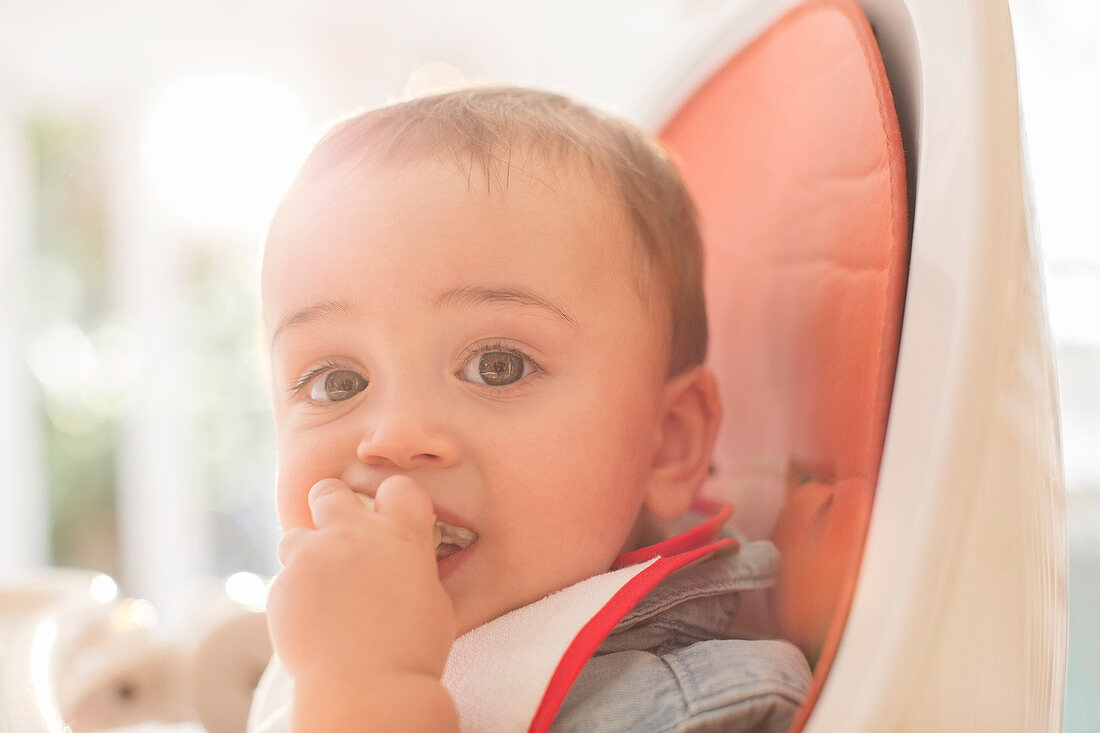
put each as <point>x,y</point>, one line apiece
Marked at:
<point>302,381</point>
<point>497,346</point>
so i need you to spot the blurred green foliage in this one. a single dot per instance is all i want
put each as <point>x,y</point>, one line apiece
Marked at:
<point>75,333</point>
<point>70,274</point>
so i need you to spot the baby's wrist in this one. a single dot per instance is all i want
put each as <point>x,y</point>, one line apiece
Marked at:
<point>336,674</point>
<point>391,700</point>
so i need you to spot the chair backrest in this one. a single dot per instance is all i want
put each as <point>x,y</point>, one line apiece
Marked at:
<point>793,153</point>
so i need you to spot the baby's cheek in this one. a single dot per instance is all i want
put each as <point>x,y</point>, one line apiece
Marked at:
<point>292,497</point>
<point>291,511</point>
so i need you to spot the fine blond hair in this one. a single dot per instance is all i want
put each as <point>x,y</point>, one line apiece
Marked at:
<point>485,127</point>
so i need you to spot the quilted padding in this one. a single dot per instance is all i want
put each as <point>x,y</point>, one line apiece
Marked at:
<point>793,154</point>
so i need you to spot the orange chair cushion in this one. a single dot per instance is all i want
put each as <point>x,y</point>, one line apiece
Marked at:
<point>793,154</point>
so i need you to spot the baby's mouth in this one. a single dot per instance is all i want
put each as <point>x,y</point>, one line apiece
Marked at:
<point>452,539</point>
<point>448,538</point>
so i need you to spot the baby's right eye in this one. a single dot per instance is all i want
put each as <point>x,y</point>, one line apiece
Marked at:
<point>337,385</point>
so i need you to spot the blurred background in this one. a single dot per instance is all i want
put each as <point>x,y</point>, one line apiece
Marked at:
<point>143,147</point>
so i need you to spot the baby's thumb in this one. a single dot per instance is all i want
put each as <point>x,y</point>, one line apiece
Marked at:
<point>403,499</point>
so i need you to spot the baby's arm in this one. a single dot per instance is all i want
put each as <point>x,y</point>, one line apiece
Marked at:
<point>358,615</point>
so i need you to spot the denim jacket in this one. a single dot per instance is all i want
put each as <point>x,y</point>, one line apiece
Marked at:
<point>676,663</point>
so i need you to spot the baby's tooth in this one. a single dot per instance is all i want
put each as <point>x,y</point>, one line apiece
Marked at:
<point>460,536</point>
<point>464,535</point>
<point>437,534</point>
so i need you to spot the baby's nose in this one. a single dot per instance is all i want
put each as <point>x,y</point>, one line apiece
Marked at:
<point>407,440</point>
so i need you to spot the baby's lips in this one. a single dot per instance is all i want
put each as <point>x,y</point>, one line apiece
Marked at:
<point>437,533</point>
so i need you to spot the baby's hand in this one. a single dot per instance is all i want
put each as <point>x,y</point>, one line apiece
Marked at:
<point>359,596</point>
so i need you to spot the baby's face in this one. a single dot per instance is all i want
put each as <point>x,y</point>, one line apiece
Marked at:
<point>494,347</point>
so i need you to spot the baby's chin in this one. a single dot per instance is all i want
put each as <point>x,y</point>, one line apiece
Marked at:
<point>465,625</point>
<point>475,609</point>
<point>480,596</point>
<point>471,613</point>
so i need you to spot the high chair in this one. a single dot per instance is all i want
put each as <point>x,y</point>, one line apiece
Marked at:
<point>899,429</point>
<point>879,332</point>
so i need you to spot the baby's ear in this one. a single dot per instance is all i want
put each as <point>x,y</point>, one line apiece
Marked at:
<point>687,427</point>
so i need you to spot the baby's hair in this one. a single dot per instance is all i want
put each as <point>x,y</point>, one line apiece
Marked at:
<point>490,129</point>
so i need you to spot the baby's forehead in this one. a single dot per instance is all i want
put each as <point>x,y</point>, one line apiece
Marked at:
<point>556,199</point>
<point>588,196</point>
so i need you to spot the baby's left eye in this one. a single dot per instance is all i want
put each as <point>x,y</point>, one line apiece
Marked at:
<point>496,368</point>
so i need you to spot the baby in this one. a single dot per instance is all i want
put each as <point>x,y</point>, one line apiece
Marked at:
<point>485,312</point>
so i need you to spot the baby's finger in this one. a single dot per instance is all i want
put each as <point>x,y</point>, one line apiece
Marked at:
<point>332,501</point>
<point>403,499</point>
<point>289,544</point>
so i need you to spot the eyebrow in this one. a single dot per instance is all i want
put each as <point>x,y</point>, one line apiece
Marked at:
<point>476,295</point>
<point>330,310</point>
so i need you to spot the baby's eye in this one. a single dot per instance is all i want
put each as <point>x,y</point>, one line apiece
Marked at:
<point>337,385</point>
<point>496,368</point>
